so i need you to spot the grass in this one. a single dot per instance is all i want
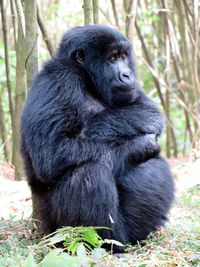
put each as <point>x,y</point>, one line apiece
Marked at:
<point>176,245</point>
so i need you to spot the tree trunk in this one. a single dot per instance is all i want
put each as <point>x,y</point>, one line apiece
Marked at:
<point>88,14</point>
<point>168,139</point>
<point>20,90</point>
<point>96,11</point>
<point>3,135</point>
<point>13,14</point>
<point>31,61</point>
<point>115,13</point>
<point>31,11</point>
<point>147,56</point>
<point>7,62</point>
<point>130,9</point>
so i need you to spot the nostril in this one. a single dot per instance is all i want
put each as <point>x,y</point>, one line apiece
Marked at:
<point>126,75</point>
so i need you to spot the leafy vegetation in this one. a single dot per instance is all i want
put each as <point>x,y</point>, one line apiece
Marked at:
<point>177,245</point>
<point>73,237</point>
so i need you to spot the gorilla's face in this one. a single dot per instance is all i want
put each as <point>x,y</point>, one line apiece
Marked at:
<point>105,54</point>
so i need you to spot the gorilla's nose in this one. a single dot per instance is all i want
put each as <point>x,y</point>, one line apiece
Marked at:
<point>126,76</point>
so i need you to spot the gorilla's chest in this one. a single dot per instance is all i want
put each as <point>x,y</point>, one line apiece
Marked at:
<point>92,106</point>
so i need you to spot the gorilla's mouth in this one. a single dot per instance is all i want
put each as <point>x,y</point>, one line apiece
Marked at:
<point>124,89</point>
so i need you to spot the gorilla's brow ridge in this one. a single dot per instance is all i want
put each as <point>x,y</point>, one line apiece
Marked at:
<point>119,46</point>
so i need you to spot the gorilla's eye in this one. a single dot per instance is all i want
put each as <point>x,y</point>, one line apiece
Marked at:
<point>80,56</point>
<point>113,58</point>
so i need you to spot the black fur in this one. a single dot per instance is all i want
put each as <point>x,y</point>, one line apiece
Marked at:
<point>88,139</point>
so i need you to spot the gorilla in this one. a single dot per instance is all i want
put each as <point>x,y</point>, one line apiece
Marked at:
<point>89,140</point>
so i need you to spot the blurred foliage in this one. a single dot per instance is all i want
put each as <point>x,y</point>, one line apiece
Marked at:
<point>60,15</point>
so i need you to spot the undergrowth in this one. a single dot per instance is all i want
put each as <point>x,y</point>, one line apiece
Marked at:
<point>176,245</point>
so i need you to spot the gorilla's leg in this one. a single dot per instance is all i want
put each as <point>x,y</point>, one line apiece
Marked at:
<point>87,197</point>
<point>146,193</point>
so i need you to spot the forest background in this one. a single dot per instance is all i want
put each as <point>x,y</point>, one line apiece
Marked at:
<point>166,40</point>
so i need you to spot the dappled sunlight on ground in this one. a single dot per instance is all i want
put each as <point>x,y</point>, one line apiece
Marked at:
<point>186,173</point>
<point>15,196</point>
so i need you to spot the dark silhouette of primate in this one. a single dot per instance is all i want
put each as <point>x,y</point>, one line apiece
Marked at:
<point>88,139</point>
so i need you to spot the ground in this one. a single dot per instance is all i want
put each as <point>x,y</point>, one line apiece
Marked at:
<point>176,245</point>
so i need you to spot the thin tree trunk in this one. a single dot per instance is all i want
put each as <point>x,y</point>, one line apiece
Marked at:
<point>31,10</point>
<point>168,146</point>
<point>131,7</point>
<point>167,78</point>
<point>44,33</point>
<point>3,134</point>
<point>13,13</point>
<point>145,50</point>
<point>88,11</point>
<point>20,90</point>
<point>156,82</point>
<point>31,61</point>
<point>170,137</point>
<point>176,59</point>
<point>197,44</point>
<point>115,13</point>
<point>7,62</point>
<point>96,11</point>
<point>107,17</point>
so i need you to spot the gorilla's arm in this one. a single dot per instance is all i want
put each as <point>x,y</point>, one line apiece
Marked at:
<point>121,124</point>
<point>143,115</point>
<point>51,123</point>
<point>131,131</point>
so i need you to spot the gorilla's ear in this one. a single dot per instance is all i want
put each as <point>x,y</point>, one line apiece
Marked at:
<point>80,56</point>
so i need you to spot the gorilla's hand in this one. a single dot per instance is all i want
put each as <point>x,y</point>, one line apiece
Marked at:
<point>143,148</point>
<point>134,151</point>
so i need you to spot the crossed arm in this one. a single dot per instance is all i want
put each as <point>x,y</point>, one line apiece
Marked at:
<point>131,132</point>
<point>121,124</point>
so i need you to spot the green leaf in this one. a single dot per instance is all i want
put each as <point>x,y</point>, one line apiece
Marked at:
<point>91,236</point>
<point>72,248</point>
<point>72,237</point>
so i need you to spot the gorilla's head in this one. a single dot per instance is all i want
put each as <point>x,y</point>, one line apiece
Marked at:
<point>106,56</point>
